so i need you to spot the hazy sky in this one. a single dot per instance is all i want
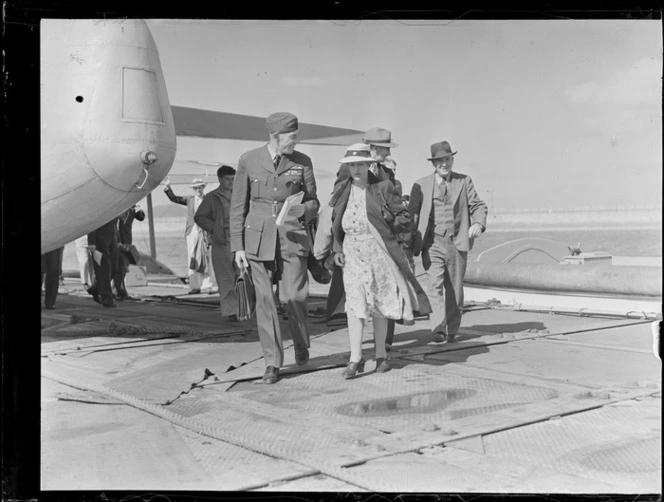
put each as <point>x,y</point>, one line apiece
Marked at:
<point>544,114</point>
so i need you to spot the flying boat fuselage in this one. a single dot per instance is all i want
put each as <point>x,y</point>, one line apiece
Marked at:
<point>107,132</point>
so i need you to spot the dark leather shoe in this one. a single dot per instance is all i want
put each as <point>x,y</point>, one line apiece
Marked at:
<point>438,337</point>
<point>301,355</point>
<point>232,318</point>
<point>271,374</point>
<point>382,365</point>
<point>95,294</point>
<point>451,338</point>
<point>352,369</point>
<point>194,292</point>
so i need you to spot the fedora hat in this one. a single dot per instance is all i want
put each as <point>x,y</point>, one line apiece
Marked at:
<point>357,152</point>
<point>197,182</point>
<point>441,150</point>
<point>379,137</point>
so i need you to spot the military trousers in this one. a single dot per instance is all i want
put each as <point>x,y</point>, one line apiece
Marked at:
<point>446,273</point>
<point>293,284</point>
<point>222,265</point>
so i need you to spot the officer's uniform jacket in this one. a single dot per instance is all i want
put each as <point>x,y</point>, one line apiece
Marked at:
<point>259,192</point>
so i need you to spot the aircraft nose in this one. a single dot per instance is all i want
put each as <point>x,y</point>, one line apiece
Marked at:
<point>129,138</point>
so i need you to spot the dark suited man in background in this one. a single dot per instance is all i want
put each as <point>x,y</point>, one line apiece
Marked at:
<point>125,239</point>
<point>449,216</point>
<point>265,177</point>
<point>51,267</point>
<point>105,241</point>
<point>214,216</point>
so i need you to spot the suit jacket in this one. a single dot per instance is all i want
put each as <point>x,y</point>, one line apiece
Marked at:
<point>213,216</point>
<point>185,200</point>
<point>467,208</point>
<point>258,195</point>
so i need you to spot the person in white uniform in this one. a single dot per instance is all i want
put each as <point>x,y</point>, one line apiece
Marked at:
<point>201,276</point>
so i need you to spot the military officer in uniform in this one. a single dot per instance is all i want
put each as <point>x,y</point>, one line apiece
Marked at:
<point>265,177</point>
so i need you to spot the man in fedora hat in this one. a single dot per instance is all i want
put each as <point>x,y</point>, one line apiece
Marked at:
<point>265,177</point>
<point>213,216</point>
<point>201,275</point>
<point>449,215</point>
<point>380,145</point>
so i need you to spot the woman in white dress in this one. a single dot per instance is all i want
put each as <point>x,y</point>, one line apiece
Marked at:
<point>377,278</point>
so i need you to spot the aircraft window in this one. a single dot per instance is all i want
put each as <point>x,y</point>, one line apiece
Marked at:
<point>140,96</point>
<point>79,99</point>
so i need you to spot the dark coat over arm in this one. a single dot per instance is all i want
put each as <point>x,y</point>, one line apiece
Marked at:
<point>387,214</point>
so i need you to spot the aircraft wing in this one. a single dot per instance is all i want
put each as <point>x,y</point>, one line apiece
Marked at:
<point>212,124</point>
<point>183,171</point>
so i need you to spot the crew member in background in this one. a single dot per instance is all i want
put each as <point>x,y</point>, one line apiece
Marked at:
<point>265,177</point>
<point>125,222</point>
<point>213,216</point>
<point>84,261</point>
<point>51,268</point>
<point>449,215</point>
<point>104,240</point>
<point>201,277</point>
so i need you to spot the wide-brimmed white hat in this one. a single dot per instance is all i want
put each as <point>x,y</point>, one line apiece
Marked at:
<point>357,152</point>
<point>197,182</point>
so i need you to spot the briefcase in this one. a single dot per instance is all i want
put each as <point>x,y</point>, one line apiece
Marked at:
<point>246,295</point>
<point>130,253</point>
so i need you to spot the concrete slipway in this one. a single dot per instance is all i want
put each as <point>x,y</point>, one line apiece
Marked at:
<point>162,394</point>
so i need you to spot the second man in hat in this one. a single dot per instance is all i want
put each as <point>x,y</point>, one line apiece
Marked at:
<point>449,216</point>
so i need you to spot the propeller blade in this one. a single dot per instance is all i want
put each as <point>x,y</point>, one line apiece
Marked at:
<point>223,125</point>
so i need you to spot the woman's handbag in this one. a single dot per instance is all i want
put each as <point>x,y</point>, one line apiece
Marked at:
<point>246,295</point>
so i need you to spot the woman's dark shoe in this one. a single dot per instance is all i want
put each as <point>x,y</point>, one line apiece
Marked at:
<point>194,292</point>
<point>382,365</point>
<point>95,293</point>
<point>439,337</point>
<point>352,369</point>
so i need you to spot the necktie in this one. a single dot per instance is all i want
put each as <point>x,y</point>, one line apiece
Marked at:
<point>277,159</point>
<point>443,190</point>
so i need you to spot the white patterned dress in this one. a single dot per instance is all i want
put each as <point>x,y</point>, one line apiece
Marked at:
<point>371,288</point>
